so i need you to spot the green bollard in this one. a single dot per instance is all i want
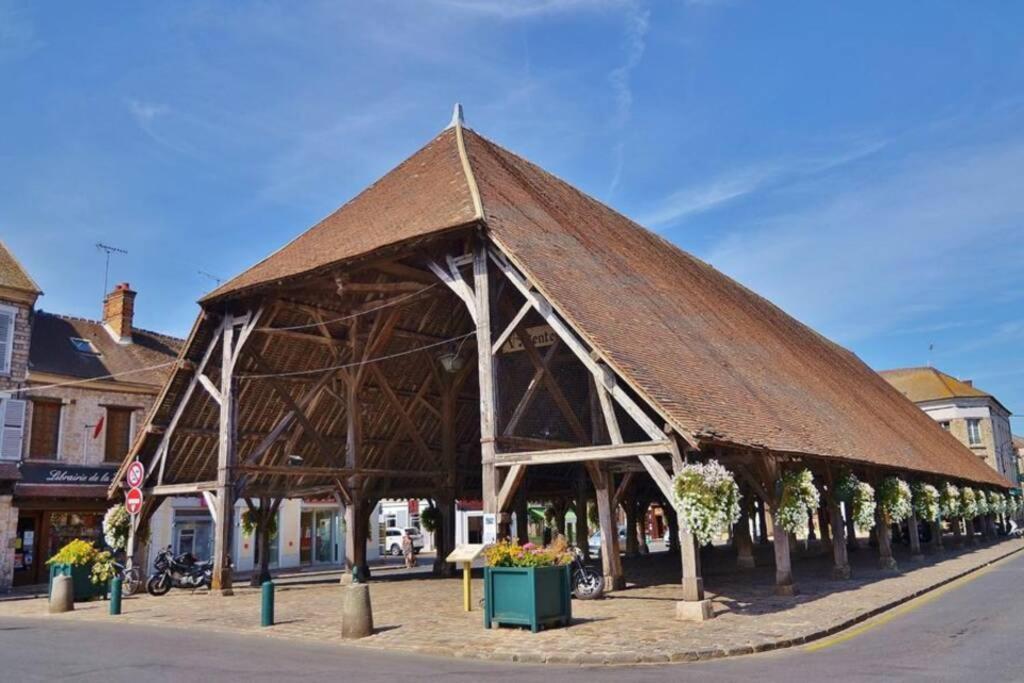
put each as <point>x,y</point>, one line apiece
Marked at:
<point>115,596</point>
<point>267,605</point>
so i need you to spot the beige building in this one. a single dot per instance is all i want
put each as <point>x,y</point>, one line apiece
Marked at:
<point>73,393</point>
<point>972,415</point>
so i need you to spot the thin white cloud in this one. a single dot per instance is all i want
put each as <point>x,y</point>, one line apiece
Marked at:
<point>637,25</point>
<point>517,9</point>
<point>18,37</point>
<point>892,249</point>
<point>695,199</point>
<point>145,112</point>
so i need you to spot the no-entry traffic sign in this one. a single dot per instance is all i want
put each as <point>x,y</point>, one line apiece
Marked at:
<point>133,501</point>
<point>136,474</point>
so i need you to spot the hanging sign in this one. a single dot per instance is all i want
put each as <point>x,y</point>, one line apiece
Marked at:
<point>133,501</point>
<point>490,529</point>
<point>136,474</point>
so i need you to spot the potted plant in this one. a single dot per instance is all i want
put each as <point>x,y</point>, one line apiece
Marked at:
<point>527,585</point>
<point>77,560</point>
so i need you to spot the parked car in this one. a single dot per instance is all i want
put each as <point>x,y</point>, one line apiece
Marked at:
<point>393,540</point>
<point>595,541</point>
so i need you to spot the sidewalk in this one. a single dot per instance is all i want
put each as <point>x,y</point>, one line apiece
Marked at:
<point>413,613</point>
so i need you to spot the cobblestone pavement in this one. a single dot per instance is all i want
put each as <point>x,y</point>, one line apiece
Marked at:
<point>423,615</point>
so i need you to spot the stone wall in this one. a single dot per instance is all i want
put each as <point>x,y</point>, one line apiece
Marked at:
<point>19,349</point>
<point>8,534</point>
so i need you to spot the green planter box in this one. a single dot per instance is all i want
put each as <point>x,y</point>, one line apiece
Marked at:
<point>527,596</point>
<point>85,589</point>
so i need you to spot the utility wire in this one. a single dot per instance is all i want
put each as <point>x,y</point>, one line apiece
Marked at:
<point>112,375</point>
<point>387,304</point>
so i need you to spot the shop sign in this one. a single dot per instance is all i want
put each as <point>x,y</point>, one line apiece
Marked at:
<point>541,336</point>
<point>44,473</point>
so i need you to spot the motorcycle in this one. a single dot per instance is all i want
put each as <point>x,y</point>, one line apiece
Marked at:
<point>182,571</point>
<point>587,582</point>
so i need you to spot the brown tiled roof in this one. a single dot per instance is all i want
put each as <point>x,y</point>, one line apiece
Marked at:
<point>719,362</point>
<point>52,351</point>
<point>13,274</point>
<point>929,384</point>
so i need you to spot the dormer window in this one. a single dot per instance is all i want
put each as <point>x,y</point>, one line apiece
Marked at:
<point>84,346</point>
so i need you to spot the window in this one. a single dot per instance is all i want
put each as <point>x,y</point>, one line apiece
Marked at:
<point>44,439</point>
<point>8,315</point>
<point>84,346</point>
<point>12,429</point>
<point>974,432</point>
<point>945,425</point>
<point>119,434</point>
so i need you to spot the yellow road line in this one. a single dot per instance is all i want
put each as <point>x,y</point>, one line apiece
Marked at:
<point>906,608</point>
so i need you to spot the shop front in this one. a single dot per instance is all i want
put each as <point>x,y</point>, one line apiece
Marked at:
<point>56,505</point>
<point>319,533</point>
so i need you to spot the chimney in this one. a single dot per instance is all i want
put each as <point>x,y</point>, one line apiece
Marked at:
<point>968,382</point>
<point>118,311</point>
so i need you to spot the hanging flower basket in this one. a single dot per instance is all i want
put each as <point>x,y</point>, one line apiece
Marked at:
<point>949,501</point>
<point>926,502</point>
<point>982,503</point>
<point>996,503</point>
<point>968,503</point>
<point>861,497</point>
<point>116,524</point>
<point>707,498</point>
<point>894,500</point>
<point>797,495</point>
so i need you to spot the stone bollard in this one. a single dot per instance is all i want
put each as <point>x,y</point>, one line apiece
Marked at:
<point>356,613</point>
<point>62,595</point>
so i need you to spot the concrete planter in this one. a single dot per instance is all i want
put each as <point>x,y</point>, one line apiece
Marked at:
<point>527,596</point>
<point>80,575</point>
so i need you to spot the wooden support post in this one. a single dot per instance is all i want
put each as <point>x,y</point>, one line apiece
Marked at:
<point>228,438</point>
<point>824,527</point>
<point>958,539</point>
<point>673,529</point>
<point>762,523</point>
<point>783,565</point>
<point>522,518</point>
<point>741,538</point>
<point>488,396</point>
<point>611,563</point>
<point>883,534</point>
<point>632,544</point>
<point>915,540</point>
<point>811,536</point>
<point>840,558</point>
<point>851,529</point>
<point>444,536</point>
<point>357,520</point>
<point>582,521</point>
<point>937,536</point>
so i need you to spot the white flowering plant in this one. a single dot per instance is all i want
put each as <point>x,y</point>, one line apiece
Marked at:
<point>894,498</point>
<point>116,524</point>
<point>926,502</point>
<point>996,503</point>
<point>707,498</point>
<point>797,496</point>
<point>982,503</point>
<point>949,501</point>
<point>968,503</point>
<point>860,496</point>
<point>1012,505</point>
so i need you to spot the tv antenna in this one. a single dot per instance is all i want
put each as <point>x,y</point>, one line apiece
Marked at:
<point>213,277</point>
<point>106,271</point>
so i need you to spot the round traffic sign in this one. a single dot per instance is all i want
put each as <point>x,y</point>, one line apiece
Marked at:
<point>136,474</point>
<point>133,501</point>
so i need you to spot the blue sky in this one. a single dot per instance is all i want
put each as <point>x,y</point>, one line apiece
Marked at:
<point>860,164</point>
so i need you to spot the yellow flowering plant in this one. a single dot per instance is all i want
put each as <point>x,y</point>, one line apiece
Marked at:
<point>509,553</point>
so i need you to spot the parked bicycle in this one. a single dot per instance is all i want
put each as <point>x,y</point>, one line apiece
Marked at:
<point>131,577</point>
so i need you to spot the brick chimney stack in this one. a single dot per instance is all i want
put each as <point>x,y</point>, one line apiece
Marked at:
<point>118,312</point>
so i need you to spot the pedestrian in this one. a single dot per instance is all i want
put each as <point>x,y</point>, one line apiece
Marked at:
<point>408,551</point>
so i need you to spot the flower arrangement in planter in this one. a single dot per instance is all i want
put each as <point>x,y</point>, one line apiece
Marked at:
<point>527,585</point>
<point>116,524</point>
<point>981,503</point>
<point>89,569</point>
<point>949,501</point>
<point>968,503</point>
<point>430,519</point>
<point>797,495</point>
<point>707,498</point>
<point>894,500</point>
<point>926,502</point>
<point>861,497</point>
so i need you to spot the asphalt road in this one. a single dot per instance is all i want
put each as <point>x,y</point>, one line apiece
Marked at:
<point>970,630</point>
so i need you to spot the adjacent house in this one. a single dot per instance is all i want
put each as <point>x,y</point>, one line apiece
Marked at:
<point>1018,449</point>
<point>73,394</point>
<point>972,415</point>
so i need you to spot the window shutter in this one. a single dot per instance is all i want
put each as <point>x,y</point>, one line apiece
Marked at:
<point>13,429</point>
<point>6,341</point>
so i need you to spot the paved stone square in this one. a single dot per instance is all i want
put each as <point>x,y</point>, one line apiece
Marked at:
<point>424,615</point>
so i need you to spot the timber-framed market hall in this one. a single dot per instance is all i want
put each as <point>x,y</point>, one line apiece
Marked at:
<point>470,326</point>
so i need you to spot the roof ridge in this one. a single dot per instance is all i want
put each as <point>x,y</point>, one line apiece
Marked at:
<point>24,271</point>
<point>93,321</point>
<point>474,191</point>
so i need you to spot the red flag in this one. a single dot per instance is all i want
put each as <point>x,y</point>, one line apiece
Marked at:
<point>98,429</point>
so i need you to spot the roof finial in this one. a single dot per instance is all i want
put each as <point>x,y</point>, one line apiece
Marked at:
<point>457,119</point>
